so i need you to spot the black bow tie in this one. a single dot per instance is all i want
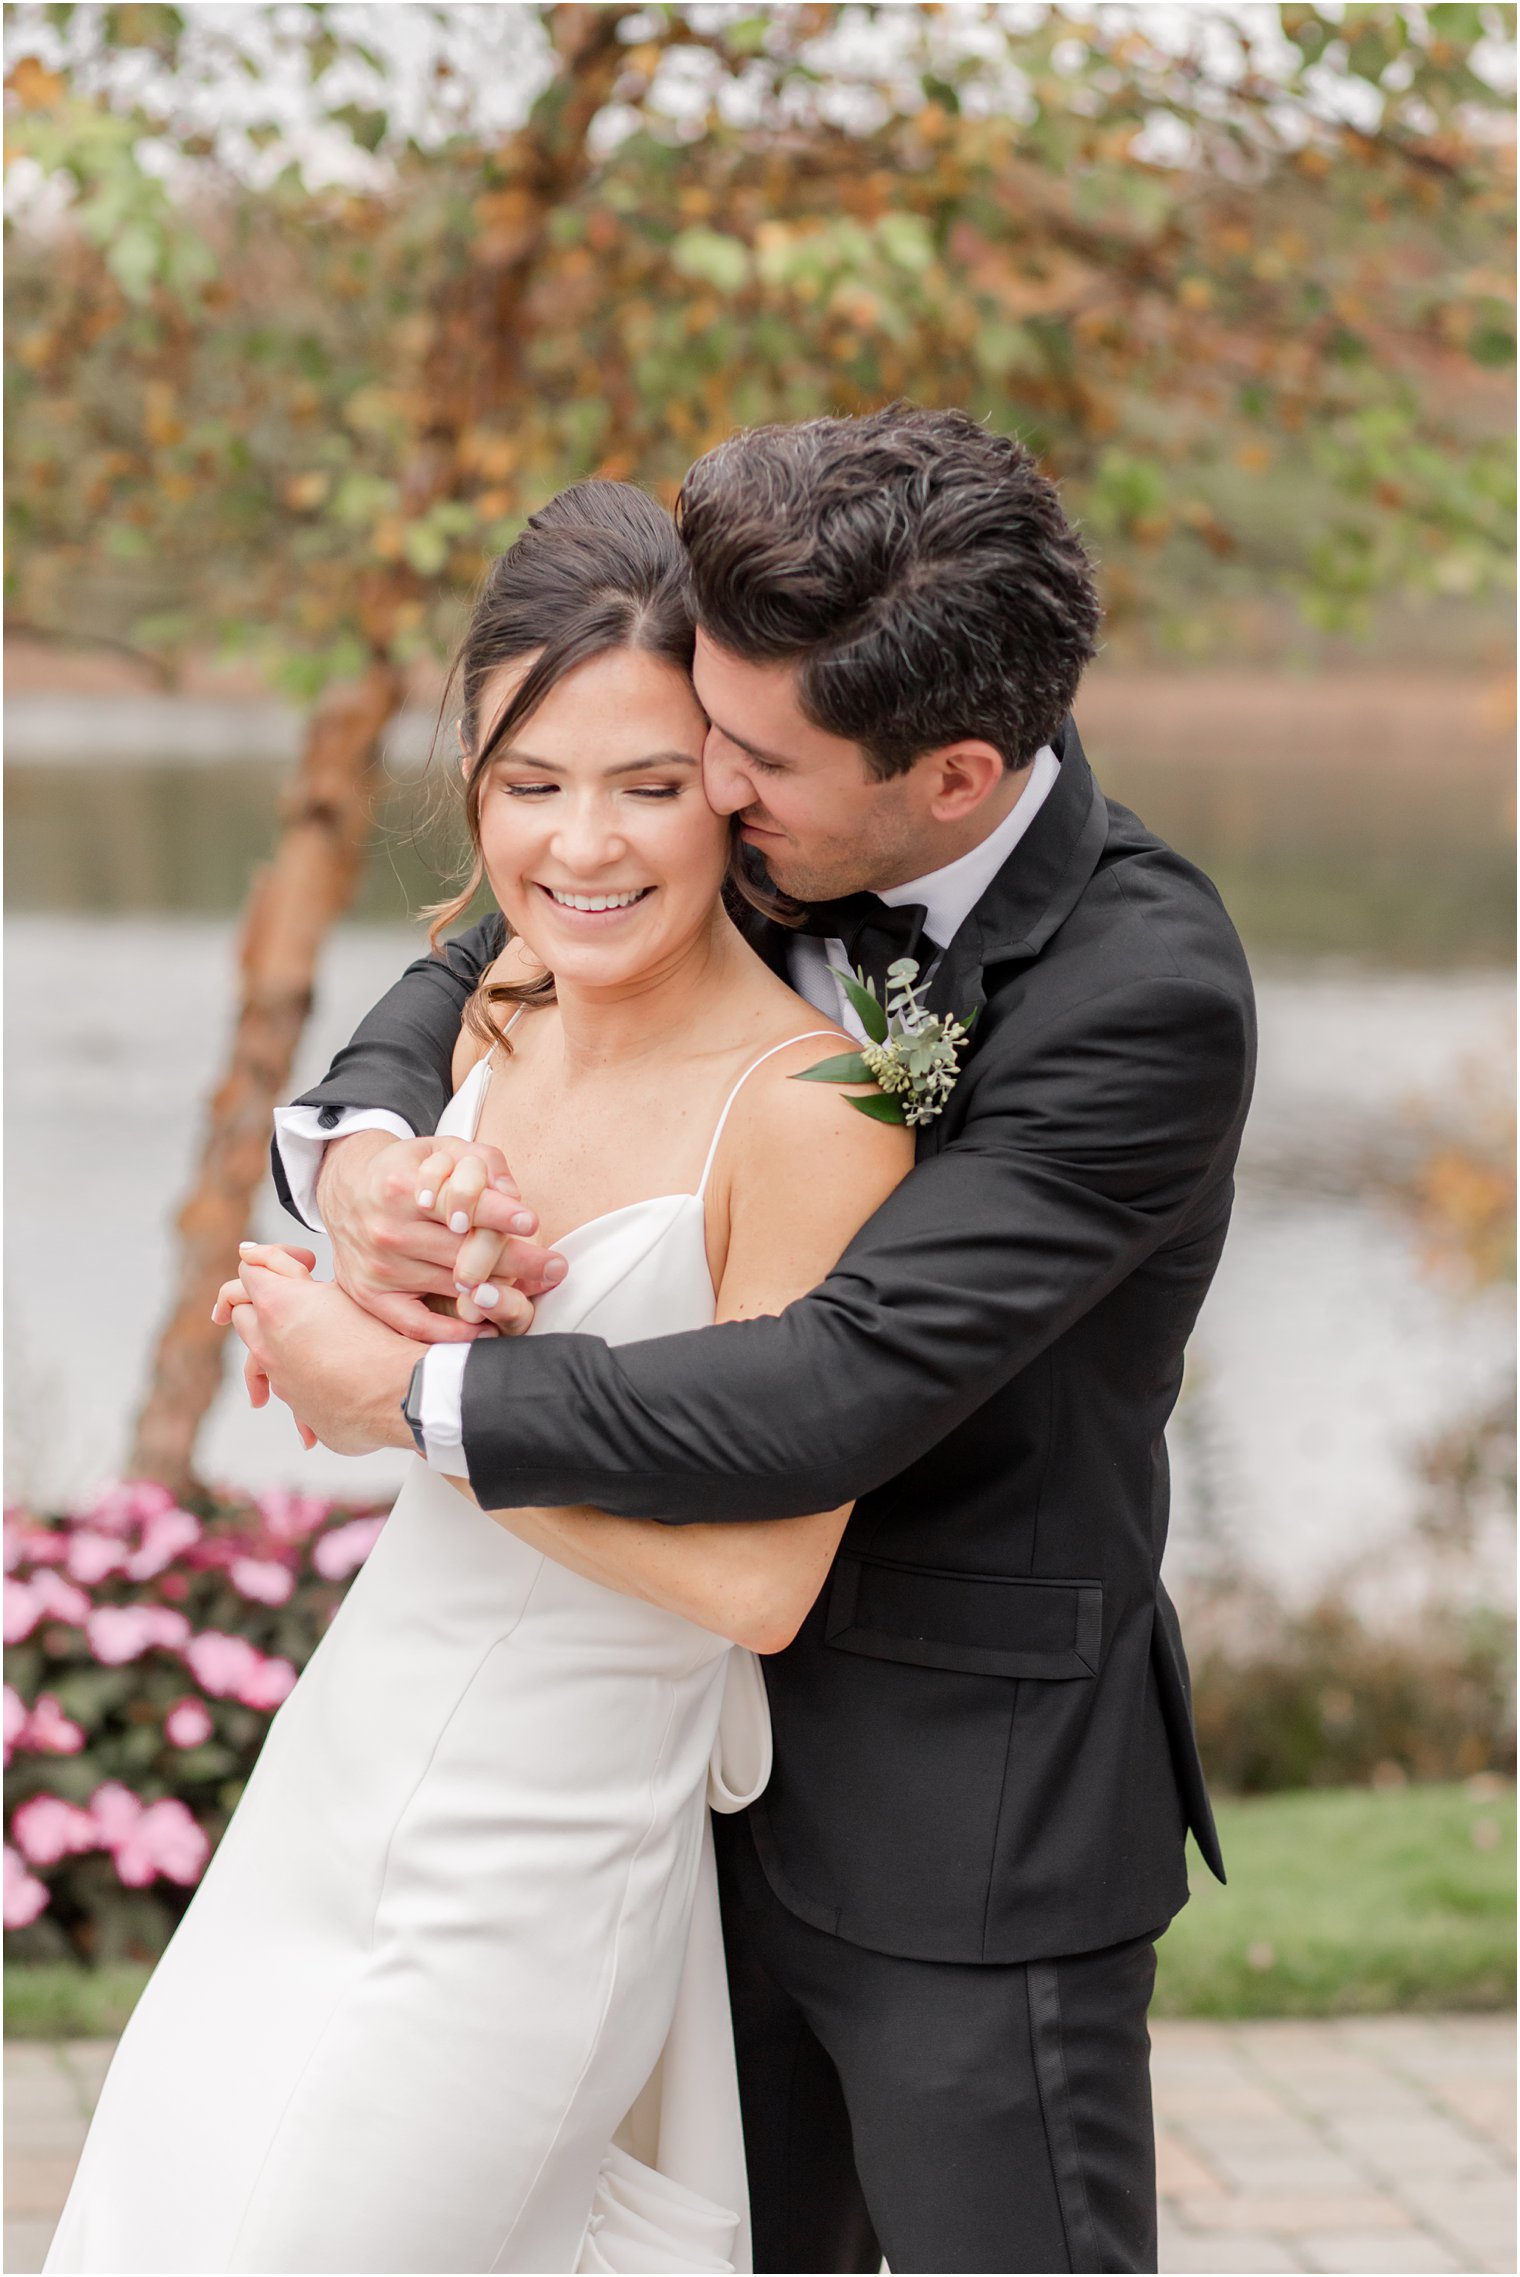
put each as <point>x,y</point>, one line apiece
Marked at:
<point>874,934</point>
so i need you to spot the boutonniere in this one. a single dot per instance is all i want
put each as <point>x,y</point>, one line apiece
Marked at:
<point>911,1054</point>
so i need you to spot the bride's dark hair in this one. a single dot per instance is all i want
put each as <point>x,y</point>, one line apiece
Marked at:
<point>600,568</point>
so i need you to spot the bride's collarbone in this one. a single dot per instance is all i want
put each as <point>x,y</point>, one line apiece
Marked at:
<point>585,1144</point>
<point>578,1159</point>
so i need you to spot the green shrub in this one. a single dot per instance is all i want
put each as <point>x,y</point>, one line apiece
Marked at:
<point>1319,1700</point>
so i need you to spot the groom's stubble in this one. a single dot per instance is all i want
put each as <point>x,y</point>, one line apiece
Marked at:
<point>809,804</point>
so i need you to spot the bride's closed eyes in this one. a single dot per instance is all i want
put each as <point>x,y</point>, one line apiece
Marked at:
<point>542,782</point>
<point>539,790</point>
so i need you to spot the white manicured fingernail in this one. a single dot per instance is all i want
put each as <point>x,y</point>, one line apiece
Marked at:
<point>245,1246</point>
<point>524,1222</point>
<point>459,1222</point>
<point>426,1199</point>
<point>486,1296</point>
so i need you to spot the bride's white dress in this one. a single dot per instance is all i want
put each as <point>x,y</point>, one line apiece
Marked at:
<point>451,1995</point>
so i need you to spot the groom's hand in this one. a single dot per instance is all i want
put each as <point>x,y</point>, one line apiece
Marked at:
<point>342,1373</point>
<point>392,1251</point>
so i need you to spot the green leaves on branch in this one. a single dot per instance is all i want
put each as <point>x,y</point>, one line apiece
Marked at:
<point>1267,362</point>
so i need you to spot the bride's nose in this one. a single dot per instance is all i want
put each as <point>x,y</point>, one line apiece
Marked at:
<point>586,837</point>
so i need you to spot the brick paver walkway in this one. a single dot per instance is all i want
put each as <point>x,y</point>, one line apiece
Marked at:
<point>1382,2143</point>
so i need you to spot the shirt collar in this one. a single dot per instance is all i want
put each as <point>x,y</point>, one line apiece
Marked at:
<point>949,895</point>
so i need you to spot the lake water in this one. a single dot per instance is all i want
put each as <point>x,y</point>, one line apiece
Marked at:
<point>1328,1354</point>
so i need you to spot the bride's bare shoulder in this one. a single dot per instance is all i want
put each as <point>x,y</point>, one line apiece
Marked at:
<point>792,1130</point>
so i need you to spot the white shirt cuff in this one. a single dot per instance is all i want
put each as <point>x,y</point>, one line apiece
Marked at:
<point>443,1407</point>
<point>302,1138</point>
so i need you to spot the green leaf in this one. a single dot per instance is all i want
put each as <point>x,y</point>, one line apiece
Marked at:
<point>713,259</point>
<point>870,1012</point>
<point>847,1067</point>
<point>426,548</point>
<point>133,259</point>
<point>880,1108</point>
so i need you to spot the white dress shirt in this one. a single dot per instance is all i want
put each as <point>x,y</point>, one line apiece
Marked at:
<point>948,897</point>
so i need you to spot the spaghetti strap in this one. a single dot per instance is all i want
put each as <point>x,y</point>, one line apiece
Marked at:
<point>483,1073</point>
<point>838,1034</point>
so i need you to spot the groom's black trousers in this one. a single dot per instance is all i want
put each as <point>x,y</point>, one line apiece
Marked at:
<point>946,2116</point>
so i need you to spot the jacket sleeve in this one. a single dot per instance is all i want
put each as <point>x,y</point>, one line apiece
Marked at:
<point>400,1054</point>
<point>1086,1145</point>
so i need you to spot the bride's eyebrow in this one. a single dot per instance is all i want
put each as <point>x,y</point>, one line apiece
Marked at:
<point>516,758</point>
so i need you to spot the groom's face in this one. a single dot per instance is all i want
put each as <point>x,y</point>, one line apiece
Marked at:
<point>806,800</point>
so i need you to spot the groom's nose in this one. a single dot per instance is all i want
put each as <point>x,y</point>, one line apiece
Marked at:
<point>728,788</point>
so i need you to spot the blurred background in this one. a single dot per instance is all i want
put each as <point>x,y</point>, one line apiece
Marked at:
<point>307,308</point>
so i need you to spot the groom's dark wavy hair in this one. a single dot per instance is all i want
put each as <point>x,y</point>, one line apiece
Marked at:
<point>917,570</point>
<point>598,569</point>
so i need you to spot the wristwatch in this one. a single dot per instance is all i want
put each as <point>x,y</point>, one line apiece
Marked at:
<point>411,1408</point>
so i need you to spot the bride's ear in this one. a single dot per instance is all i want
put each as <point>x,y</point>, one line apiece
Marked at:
<point>464,749</point>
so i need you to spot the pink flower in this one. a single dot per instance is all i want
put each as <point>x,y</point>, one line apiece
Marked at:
<point>270,1683</point>
<point>33,1545</point>
<point>25,1896</point>
<point>15,1720</point>
<point>114,1812</point>
<point>188,1723</point>
<point>130,1502</point>
<point>232,1668</point>
<point>263,1580</point>
<point>22,1611</point>
<point>92,1556</point>
<point>165,1840</point>
<point>165,1627</point>
<point>111,1511</point>
<point>47,1828</point>
<point>220,1664</point>
<point>59,1598</point>
<point>165,1535</point>
<point>342,1551</point>
<point>50,1731</point>
<point>291,1517</point>
<point>119,1633</point>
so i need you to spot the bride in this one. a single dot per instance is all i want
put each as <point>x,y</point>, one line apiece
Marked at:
<point>451,1994</point>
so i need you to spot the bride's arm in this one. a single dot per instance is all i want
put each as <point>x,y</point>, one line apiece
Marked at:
<point>802,1172</point>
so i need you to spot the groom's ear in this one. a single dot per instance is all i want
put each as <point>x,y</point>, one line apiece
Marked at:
<point>959,776</point>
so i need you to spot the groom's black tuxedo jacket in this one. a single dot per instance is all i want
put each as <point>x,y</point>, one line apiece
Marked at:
<point>984,1742</point>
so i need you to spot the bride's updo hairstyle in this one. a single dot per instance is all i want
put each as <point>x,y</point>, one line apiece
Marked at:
<point>600,568</point>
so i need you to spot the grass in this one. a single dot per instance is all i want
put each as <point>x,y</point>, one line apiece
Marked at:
<point>59,2000</point>
<point>1341,1902</point>
<point>1350,1901</point>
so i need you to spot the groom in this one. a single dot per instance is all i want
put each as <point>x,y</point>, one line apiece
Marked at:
<point>941,1916</point>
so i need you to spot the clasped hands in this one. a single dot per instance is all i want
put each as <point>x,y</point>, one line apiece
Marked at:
<point>413,1222</point>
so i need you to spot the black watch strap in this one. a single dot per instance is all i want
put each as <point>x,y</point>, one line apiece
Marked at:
<point>411,1408</point>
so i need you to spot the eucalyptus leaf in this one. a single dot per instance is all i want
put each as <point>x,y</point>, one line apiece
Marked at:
<point>881,1108</point>
<point>847,1067</point>
<point>870,1012</point>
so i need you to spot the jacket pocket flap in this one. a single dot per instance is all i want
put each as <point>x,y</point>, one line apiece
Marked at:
<point>983,1624</point>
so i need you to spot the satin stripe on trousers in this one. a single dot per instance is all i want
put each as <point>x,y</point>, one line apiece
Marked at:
<point>944,2116</point>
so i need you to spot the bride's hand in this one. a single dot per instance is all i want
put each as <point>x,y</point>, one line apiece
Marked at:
<point>495,1273</point>
<point>279,1257</point>
<point>395,1210</point>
